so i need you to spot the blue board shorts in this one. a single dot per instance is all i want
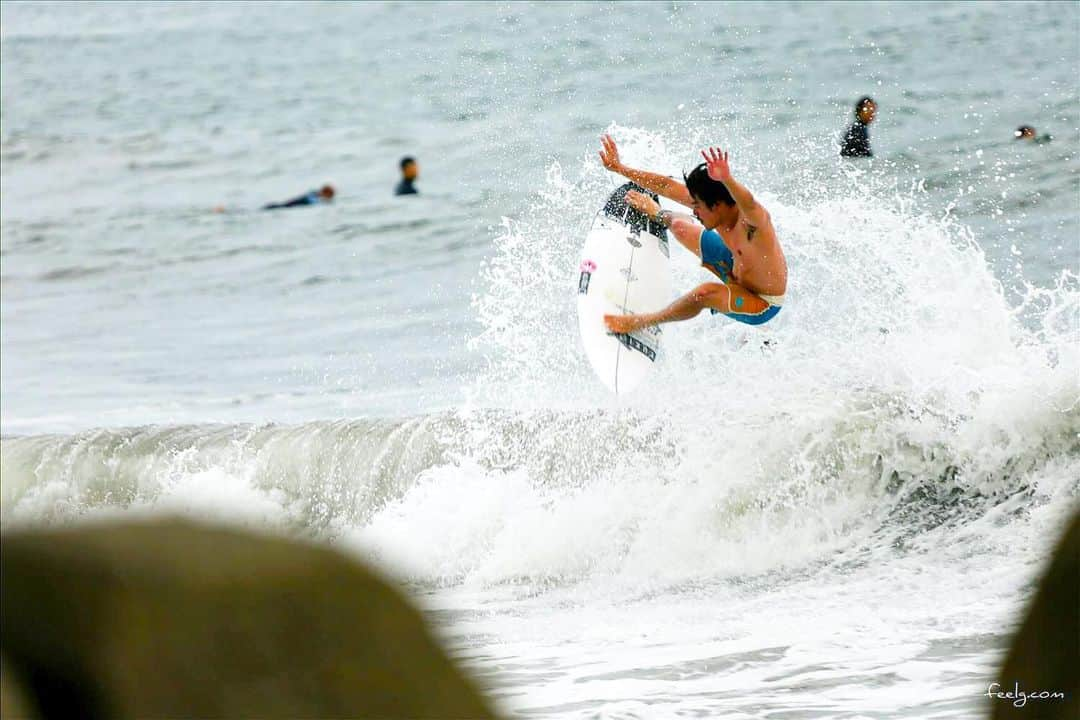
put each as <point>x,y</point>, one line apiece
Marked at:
<point>716,256</point>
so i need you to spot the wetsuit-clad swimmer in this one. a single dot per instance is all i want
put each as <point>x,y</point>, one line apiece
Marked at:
<point>737,243</point>
<point>856,141</point>
<point>409,172</point>
<point>324,194</point>
<point>1026,132</point>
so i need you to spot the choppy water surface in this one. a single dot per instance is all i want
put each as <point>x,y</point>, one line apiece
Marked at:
<point>842,523</point>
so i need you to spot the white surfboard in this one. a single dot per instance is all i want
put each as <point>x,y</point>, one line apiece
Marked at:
<point>624,269</point>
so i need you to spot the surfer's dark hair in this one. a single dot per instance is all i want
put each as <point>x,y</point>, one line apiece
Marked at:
<point>705,189</point>
<point>407,161</point>
<point>863,102</point>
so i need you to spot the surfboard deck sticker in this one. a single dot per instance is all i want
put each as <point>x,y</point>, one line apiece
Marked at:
<point>624,269</point>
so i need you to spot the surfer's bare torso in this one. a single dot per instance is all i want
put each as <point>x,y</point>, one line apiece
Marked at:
<point>759,263</point>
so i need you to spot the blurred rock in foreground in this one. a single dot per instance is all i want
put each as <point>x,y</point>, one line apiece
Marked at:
<point>171,619</point>
<point>1041,674</point>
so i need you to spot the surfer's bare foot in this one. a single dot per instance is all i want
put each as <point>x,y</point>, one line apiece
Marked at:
<point>624,323</point>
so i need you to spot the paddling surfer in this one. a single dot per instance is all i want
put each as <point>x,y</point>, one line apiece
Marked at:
<point>733,235</point>
<point>323,195</point>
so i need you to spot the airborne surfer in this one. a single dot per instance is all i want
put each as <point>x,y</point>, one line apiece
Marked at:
<point>733,236</point>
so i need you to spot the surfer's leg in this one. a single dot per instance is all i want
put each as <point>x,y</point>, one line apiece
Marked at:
<point>715,255</point>
<point>687,232</point>
<point>686,307</point>
<point>731,299</point>
<point>742,305</point>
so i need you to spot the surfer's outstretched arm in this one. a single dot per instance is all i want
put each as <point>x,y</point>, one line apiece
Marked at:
<point>717,162</point>
<point>654,182</point>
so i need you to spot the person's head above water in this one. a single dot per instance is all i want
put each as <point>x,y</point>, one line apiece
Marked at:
<point>410,170</point>
<point>1024,132</point>
<point>713,204</point>
<point>866,110</point>
<point>326,192</point>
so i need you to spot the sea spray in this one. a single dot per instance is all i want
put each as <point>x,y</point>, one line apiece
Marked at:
<point>900,390</point>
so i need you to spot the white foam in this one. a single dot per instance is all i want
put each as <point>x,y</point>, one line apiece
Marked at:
<point>898,352</point>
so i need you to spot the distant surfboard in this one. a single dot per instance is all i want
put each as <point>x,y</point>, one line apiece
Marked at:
<point>624,269</point>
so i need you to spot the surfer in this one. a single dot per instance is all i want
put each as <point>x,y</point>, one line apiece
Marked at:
<point>737,243</point>
<point>324,194</point>
<point>856,141</point>
<point>1026,132</point>
<point>409,172</point>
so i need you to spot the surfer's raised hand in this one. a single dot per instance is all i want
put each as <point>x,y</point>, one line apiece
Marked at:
<point>716,161</point>
<point>642,203</point>
<point>610,154</point>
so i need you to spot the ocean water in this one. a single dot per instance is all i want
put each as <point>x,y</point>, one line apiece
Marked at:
<point>842,523</point>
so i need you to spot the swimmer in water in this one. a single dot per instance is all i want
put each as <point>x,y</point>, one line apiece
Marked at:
<point>738,243</point>
<point>324,194</point>
<point>409,172</point>
<point>856,141</point>
<point>1026,132</point>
